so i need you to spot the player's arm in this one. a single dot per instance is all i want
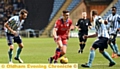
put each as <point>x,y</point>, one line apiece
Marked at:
<point>107,22</point>
<point>69,32</point>
<point>90,27</point>
<point>100,20</point>
<point>54,32</point>
<point>89,24</point>
<point>55,29</point>
<point>118,19</point>
<point>77,26</point>
<point>9,28</point>
<point>90,36</point>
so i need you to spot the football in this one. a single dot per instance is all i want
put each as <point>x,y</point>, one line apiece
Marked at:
<point>63,60</point>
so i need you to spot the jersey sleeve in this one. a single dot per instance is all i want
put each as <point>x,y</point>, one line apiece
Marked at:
<point>11,20</point>
<point>98,20</point>
<point>118,19</point>
<point>70,23</point>
<point>89,23</point>
<point>77,23</point>
<point>56,24</point>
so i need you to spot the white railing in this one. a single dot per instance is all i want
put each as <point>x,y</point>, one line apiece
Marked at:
<point>24,33</point>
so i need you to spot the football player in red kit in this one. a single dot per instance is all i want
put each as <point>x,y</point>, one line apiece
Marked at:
<point>61,33</point>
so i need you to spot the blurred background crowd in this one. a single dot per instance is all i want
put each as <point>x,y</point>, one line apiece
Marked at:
<point>9,8</point>
<point>43,13</point>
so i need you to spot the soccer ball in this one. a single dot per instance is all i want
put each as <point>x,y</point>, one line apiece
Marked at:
<point>63,60</point>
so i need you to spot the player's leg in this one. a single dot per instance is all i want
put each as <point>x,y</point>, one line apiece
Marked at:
<point>10,53</point>
<point>113,48</point>
<point>57,51</point>
<point>104,45</point>
<point>64,48</point>
<point>84,40</point>
<point>111,44</point>
<point>80,50</point>
<point>83,44</point>
<point>90,58</point>
<point>19,49</point>
<point>108,57</point>
<point>91,54</point>
<point>80,44</point>
<point>114,45</point>
<point>115,51</point>
<point>11,47</point>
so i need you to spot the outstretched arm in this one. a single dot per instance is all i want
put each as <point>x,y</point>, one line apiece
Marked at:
<point>90,36</point>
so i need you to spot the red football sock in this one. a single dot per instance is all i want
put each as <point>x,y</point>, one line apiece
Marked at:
<point>57,55</point>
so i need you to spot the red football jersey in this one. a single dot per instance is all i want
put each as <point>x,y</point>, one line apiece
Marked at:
<point>63,27</point>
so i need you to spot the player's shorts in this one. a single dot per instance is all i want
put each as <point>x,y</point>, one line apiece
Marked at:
<point>81,34</point>
<point>10,37</point>
<point>112,37</point>
<point>63,39</point>
<point>101,43</point>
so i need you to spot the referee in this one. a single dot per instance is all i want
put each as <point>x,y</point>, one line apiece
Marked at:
<point>82,26</point>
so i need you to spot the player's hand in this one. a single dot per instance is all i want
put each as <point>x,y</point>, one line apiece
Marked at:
<point>56,38</point>
<point>85,37</point>
<point>118,29</point>
<point>79,29</point>
<point>15,33</point>
<point>68,37</point>
<point>105,22</point>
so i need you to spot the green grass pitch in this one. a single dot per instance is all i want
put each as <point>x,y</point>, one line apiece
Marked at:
<point>38,50</point>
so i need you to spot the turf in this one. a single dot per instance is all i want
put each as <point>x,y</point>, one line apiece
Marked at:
<point>38,50</point>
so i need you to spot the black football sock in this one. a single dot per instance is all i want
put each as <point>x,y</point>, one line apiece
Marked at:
<point>81,46</point>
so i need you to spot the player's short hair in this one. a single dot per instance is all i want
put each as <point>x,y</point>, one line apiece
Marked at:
<point>65,11</point>
<point>114,7</point>
<point>94,12</point>
<point>22,11</point>
<point>84,12</point>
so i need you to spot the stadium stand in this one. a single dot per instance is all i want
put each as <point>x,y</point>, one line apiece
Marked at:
<point>73,4</point>
<point>56,6</point>
<point>9,8</point>
<point>47,30</point>
<point>70,6</point>
<point>58,3</point>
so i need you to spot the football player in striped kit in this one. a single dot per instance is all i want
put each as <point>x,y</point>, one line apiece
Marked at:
<point>113,22</point>
<point>101,42</point>
<point>12,27</point>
